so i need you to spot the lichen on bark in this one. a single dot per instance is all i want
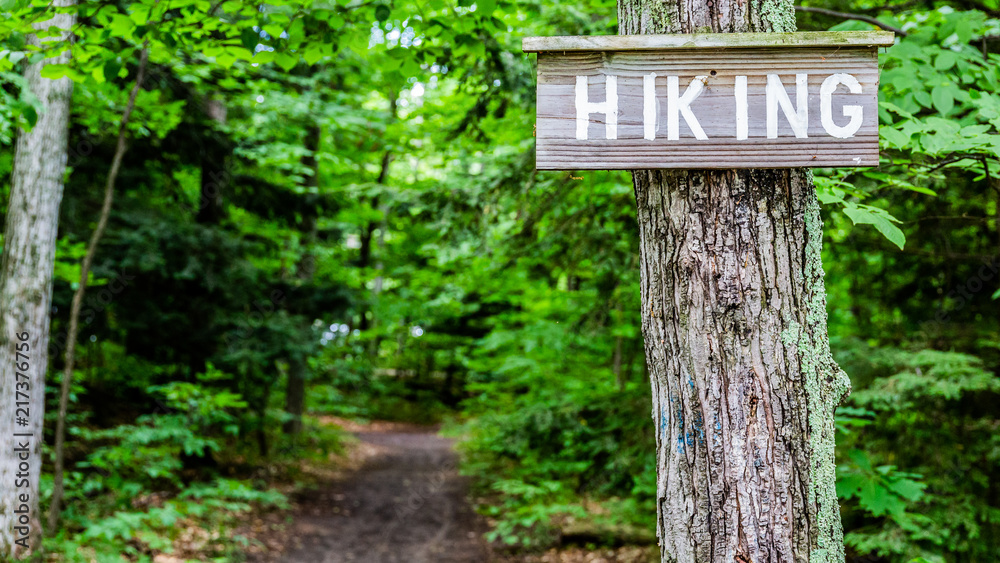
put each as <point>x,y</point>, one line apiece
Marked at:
<point>775,16</point>
<point>826,386</point>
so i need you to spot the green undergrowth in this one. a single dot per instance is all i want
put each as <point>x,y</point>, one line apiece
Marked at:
<point>575,467</point>
<point>178,480</point>
<point>908,488</point>
<point>584,460</point>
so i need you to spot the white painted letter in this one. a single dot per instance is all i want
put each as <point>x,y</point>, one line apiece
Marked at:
<point>649,106</point>
<point>682,105</point>
<point>609,107</point>
<point>742,113</point>
<point>826,106</point>
<point>798,117</point>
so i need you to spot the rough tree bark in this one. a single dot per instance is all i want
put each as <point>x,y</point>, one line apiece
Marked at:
<point>26,289</point>
<point>734,320</point>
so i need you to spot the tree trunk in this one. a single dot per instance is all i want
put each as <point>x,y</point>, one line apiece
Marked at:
<point>295,392</point>
<point>74,316</point>
<point>367,309</point>
<point>616,363</point>
<point>215,171</point>
<point>26,297</point>
<point>734,320</point>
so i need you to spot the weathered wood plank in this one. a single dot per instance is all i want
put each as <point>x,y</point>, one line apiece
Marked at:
<point>708,108</point>
<point>707,40</point>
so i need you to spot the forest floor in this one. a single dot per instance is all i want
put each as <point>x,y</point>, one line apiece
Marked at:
<point>399,499</point>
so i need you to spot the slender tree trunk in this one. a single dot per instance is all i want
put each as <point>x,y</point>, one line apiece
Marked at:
<point>376,341</point>
<point>367,232</point>
<point>215,174</point>
<point>734,319</point>
<point>261,431</point>
<point>295,392</point>
<point>616,363</point>
<point>74,315</point>
<point>364,260</point>
<point>993,182</point>
<point>616,356</point>
<point>369,229</point>
<point>26,298</point>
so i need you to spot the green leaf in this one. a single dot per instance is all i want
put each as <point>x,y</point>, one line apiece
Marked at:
<point>827,197</point>
<point>860,459</point>
<point>945,60</point>
<point>313,54</point>
<point>140,14</point>
<point>923,98</point>
<point>880,220</point>
<point>895,109</point>
<point>273,30</point>
<point>226,59</point>
<point>264,57</point>
<point>907,488</point>
<point>286,61</point>
<point>54,71</point>
<point>890,231</point>
<point>963,29</point>
<point>121,25</point>
<point>168,39</point>
<point>943,100</point>
<point>894,137</point>
<point>879,501</point>
<point>31,116</point>
<point>250,38</point>
<point>111,68</point>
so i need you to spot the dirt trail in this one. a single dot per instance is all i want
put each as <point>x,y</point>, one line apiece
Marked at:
<point>407,504</point>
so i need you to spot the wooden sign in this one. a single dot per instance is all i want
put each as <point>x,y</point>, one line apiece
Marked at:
<point>734,100</point>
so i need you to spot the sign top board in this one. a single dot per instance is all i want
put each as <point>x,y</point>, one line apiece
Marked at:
<point>708,41</point>
<point>740,100</point>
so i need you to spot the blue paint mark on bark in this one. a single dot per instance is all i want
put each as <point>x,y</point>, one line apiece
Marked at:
<point>699,428</point>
